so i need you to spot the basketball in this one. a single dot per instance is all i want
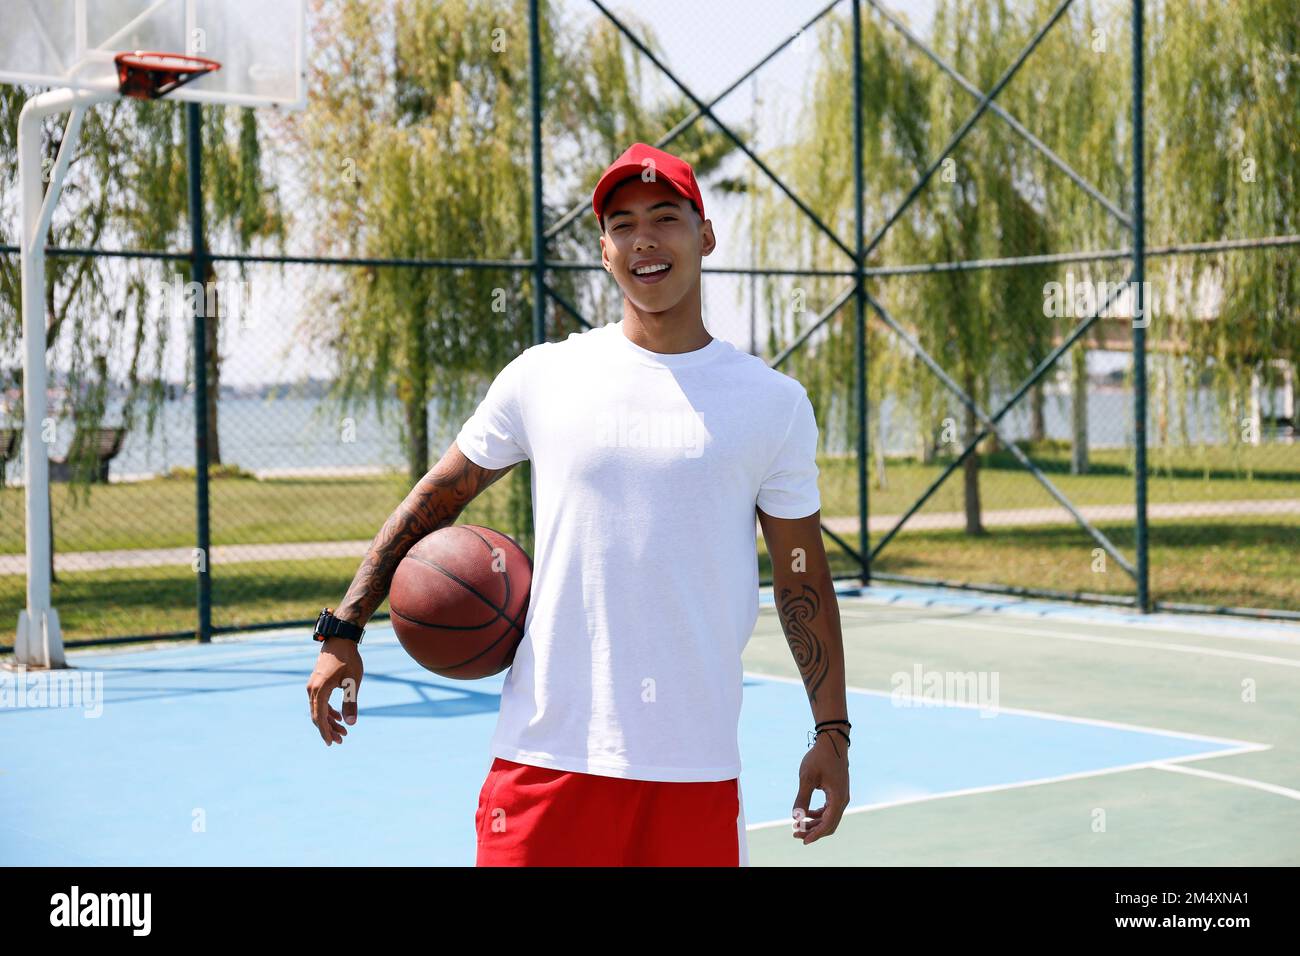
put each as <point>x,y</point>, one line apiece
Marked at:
<point>459,599</point>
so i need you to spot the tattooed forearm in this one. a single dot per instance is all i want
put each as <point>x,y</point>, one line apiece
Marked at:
<point>435,502</point>
<point>797,611</point>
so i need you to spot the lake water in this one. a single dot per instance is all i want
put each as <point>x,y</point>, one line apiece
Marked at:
<point>279,434</point>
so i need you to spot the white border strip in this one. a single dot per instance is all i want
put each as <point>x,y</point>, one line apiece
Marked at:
<point>1006,630</point>
<point>940,598</point>
<point>1021,784</point>
<point>1239,747</point>
<point>1228,778</point>
<point>1041,714</point>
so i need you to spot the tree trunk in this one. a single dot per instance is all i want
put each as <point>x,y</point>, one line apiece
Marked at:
<point>1162,401</point>
<point>49,510</point>
<point>1037,427</point>
<point>414,394</point>
<point>1079,415</point>
<point>882,481</point>
<point>971,468</point>
<point>211,337</point>
<point>927,436</point>
<point>520,505</point>
<point>1254,405</point>
<point>417,429</point>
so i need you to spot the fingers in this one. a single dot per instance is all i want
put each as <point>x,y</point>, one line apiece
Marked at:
<point>826,819</point>
<point>335,726</point>
<point>805,822</point>
<point>320,697</point>
<point>351,686</point>
<point>800,812</point>
<point>331,672</point>
<point>325,717</point>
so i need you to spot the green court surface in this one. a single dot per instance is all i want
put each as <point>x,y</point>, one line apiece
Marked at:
<point>1186,675</point>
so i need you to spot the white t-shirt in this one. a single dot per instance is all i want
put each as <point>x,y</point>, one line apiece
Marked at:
<point>646,470</point>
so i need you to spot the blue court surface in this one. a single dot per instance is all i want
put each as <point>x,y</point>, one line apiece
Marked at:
<point>205,755</point>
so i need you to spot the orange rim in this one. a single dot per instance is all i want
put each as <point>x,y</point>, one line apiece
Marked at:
<point>166,62</point>
<point>149,75</point>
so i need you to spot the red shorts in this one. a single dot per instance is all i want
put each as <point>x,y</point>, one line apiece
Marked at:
<point>536,816</point>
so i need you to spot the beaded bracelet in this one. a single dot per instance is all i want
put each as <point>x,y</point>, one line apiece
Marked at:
<point>825,722</point>
<point>823,730</point>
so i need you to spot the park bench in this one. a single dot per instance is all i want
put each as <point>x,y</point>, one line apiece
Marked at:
<point>8,451</point>
<point>1280,426</point>
<point>103,444</point>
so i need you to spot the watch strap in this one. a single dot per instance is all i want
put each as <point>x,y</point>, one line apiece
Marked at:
<point>327,625</point>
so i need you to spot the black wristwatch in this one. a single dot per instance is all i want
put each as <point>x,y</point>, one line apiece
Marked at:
<point>327,625</point>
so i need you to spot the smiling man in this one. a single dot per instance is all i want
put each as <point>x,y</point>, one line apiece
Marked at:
<point>654,447</point>
<point>618,734</point>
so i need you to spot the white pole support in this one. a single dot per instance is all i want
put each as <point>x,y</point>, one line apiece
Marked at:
<point>39,641</point>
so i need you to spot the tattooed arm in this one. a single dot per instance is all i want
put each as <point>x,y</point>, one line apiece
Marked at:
<point>810,617</point>
<point>435,502</point>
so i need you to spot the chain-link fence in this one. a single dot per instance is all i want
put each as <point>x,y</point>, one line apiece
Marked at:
<point>942,328</point>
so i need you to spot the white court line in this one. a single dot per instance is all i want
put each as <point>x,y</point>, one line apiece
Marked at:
<point>1240,747</point>
<point>199,663</point>
<point>1228,778</point>
<point>994,788</point>
<point>1041,714</point>
<point>1201,625</point>
<point>286,649</point>
<point>1093,639</point>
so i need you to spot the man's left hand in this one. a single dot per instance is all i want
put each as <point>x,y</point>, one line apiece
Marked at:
<point>825,767</point>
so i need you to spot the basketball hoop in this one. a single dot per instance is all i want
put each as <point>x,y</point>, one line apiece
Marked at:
<point>147,76</point>
<point>85,52</point>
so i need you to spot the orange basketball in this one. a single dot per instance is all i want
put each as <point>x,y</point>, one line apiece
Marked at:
<point>459,600</point>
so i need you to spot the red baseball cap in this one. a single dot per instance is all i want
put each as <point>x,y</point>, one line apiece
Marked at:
<point>667,168</point>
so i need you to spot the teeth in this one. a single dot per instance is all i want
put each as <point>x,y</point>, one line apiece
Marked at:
<point>647,270</point>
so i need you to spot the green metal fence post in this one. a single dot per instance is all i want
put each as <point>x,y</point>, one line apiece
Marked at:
<point>198,273</point>
<point>859,299</point>
<point>525,475</point>
<point>539,227</point>
<point>1139,324</point>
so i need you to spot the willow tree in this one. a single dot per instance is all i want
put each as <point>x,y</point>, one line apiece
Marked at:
<point>241,206</point>
<point>418,144</point>
<point>74,286</point>
<point>980,324</point>
<point>1071,93</point>
<point>977,206</point>
<point>817,165</point>
<point>126,187</point>
<point>1224,125</point>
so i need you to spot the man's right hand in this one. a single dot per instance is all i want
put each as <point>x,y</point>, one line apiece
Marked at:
<point>339,665</point>
<point>435,502</point>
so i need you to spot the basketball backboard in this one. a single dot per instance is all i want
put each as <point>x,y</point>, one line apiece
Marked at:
<point>261,45</point>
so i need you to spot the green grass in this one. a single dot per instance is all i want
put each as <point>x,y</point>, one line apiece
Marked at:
<point>1241,562</point>
<point>1244,561</point>
<point>161,600</point>
<point>161,513</point>
<point>1274,473</point>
